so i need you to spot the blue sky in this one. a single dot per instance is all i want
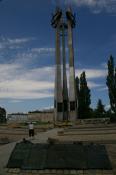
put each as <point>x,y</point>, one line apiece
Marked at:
<point>27,50</point>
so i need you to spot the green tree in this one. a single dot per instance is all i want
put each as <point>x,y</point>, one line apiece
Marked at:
<point>111,83</point>
<point>2,115</point>
<point>77,86</point>
<point>100,110</point>
<point>77,93</point>
<point>83,95</point>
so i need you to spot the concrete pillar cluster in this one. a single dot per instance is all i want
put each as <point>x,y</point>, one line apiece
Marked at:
<point>65,99</point>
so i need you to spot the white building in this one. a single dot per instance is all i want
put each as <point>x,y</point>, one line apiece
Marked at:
<point>17,117</point>
<point>41,116</point>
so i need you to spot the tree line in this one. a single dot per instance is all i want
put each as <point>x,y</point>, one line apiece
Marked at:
<point>2,115</point>
<point>84,95</point>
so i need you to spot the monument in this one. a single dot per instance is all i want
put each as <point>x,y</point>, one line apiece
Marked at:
<point>65,103</point>
<point>69,155</point>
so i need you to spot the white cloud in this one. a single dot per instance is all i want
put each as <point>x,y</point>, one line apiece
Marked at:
<point>17,92</point>
<point>96,6</point>
<point>18,40</point>
<point>92,73</point>
<point>25,85</point>
<point>17,82</point>
<point>25,95</point>
<point>89,2</point>
<point>102,89</point>
<point>31,56</point>
<point>44,50</point>
<point>42,73</point>
<point>15,101</point>
<point>107,107</point>
<point>92,84</point>
<point>104,65</point>
<point>9,71</point>
<point>13,43</point>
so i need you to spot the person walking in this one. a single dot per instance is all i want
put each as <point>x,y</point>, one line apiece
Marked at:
<point>31,130</point>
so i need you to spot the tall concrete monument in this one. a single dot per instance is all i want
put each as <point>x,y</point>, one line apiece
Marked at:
<point>65,107</point>
<point>72,87</point>
<point>58,98</point>
<point>63,28</point>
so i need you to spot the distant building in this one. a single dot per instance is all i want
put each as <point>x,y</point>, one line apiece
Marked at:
<point>42,116</point>
<point>17,117</point>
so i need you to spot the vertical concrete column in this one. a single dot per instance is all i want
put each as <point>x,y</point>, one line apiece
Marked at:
<point>65,89</point>
<point>58,81</point>
<point>72,87</point>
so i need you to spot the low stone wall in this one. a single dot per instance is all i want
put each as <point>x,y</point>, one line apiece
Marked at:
<point>42,117</point>
<point>58,172</point>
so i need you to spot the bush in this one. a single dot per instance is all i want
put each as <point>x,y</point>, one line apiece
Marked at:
<point>113,118</point>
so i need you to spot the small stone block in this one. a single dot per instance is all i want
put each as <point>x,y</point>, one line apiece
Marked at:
<point>28,171</point>
<point>10,170</point>
<point>107,172</point>
<point>60,172</point>
<point>41,172</point>
<point>47,171</point>
<point>53,171</point>
<point>66,172</point>
<point>35,171</point>
<point>80,172</point>
<point>90,172</point>
<point>17,170</point>
<point>73,172</point>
